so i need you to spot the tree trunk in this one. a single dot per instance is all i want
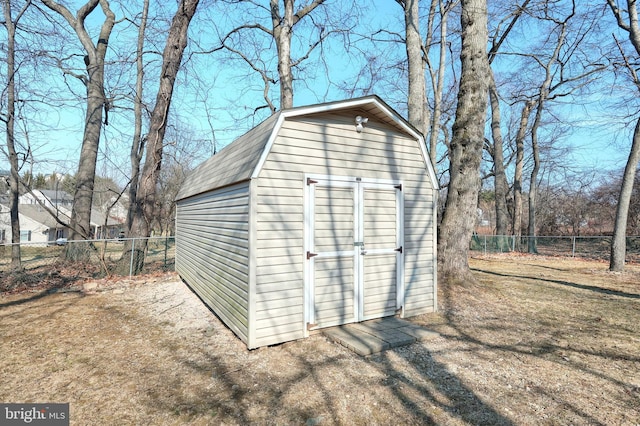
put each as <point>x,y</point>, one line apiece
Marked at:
<point>533,181</point>
<point>532,245</point>
<point>80,224</point>
<point>501,186</point>
<point>137,145</point>
<point>439,84</point>
<point>14,193</point>
<point>517,177</point>
<point>282,29</point>
<point>417,99</point>
<point>145,206</point>
<point>466,145</point>
<point>85,176</point>
<point>619,243</point>
<point>282,33</point>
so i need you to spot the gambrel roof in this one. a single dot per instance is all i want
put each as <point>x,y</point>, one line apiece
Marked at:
<point>243,158</point>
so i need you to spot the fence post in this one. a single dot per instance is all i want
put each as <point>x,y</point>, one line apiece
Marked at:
<point>133,247</point>
<point>166,249</point>
<point>573,246</point>
<point>485,245</point>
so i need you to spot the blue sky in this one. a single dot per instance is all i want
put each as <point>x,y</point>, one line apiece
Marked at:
<point>597,142</point>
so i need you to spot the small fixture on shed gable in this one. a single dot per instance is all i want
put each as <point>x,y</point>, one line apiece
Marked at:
<point>360,122</point>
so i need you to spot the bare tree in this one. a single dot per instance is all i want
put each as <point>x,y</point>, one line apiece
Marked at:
<point>465,152</point>
<point>145,203</point>
<point>416,61</point>
<point>10,24</point>
<point>282,30</point>
<point>559,66</point>
<point>94,81</point>
<point>420,62</point>
<point>627,19</point>
<point>496,149</point>
<point>521,135</point>
<point>437,72</point>
<point>137,145</point>
<point>247,41</point>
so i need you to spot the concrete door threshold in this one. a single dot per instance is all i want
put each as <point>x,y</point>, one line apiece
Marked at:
<point>369,337</point>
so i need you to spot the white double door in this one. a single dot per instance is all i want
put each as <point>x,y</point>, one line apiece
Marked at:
<point>354,250</point>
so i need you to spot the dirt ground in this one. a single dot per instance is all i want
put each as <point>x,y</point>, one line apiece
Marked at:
<point>535,341</point>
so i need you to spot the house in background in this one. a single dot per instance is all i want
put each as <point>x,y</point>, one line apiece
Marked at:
<point>51,198</point>
<point>31,230</point>
<point>37,225</point>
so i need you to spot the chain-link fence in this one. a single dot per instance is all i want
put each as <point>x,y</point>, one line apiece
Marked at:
<point>97,257</point>
<point>591,247</point>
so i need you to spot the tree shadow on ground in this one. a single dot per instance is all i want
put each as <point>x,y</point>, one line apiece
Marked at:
<point>593,288</point>
<point>441,389</point>
<point>324,390</point>
<point>588,363</point>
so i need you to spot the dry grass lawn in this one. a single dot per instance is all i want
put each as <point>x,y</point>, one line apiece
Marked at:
<point>535,341</point>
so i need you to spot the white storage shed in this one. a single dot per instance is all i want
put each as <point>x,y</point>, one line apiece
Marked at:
<point>319,216</point>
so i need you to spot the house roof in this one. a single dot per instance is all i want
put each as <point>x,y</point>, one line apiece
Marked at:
<point>40,215</point>
<point>56,194</point>
<point>243,158</point>
<point>50,194</point>
<point>234,163</point>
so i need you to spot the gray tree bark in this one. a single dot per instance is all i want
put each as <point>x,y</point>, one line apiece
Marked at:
<point>466,146</point>
<point>14,178</point>
<point>628,22</point>
<point>438,75</point>
<point>417,99</point>
<point>137,145</point>
<point>497,150</point>
<point>501,185</point>
<point>80,225</point>
<point>619,241</point>
<point>517,176</point>
<point>145,206</point>
<point>282,32</point>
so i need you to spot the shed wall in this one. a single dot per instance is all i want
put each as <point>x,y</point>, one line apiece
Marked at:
<point>212,251</point>
<point>329,145</point>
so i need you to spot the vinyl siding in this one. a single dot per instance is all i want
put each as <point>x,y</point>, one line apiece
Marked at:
<point>240,216</point>
<point>327,144</point>
<point>279,291</point>
<point>380,270</point>
<point>212,252</point>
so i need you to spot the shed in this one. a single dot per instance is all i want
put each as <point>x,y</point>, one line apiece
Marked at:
<point>320,216</point>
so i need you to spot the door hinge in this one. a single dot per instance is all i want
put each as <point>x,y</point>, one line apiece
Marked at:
<point>310,255</point>
<point>398,187</point>
<point>311,326</point>
<point>399,249</point>
<point>310,181</point>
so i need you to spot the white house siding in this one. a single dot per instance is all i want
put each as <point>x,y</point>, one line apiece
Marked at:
<point>33,232</point>
<point>328,144</point>
<point>212,251</point>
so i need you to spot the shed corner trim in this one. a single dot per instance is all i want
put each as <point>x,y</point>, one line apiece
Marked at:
<point>265,152</point>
